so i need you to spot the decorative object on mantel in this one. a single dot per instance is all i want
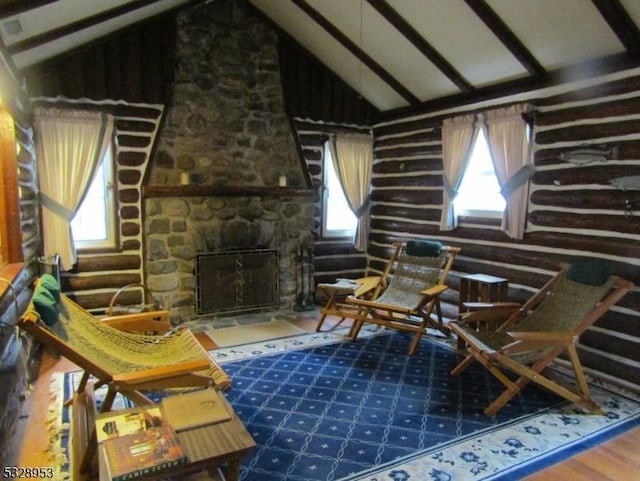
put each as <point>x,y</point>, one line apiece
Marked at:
<point>630,182</point>
<point>586,154</point>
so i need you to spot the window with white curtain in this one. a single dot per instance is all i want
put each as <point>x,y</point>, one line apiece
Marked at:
<point>94,225</point>
<point>337,218</point>
<point>479,192</point>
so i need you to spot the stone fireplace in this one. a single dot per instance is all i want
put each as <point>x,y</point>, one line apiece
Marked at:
<point>214,182</point>
<point>181,229</point>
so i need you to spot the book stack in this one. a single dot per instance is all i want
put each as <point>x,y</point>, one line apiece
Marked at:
<point>135,443</point>
<point>142,441</point>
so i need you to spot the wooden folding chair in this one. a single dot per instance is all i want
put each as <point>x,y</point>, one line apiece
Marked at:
<point>416,273</point>
<point>115,352</point>
<point>116,355</point>
<point>527,339</point>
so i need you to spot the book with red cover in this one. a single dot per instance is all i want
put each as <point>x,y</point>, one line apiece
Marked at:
<point>151,451</point>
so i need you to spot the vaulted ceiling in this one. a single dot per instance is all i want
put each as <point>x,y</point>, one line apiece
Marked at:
<point>397,54</point>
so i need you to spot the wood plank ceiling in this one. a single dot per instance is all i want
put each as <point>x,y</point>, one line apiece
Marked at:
<point>398,54</point>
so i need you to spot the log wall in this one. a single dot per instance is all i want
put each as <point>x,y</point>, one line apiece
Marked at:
<point>136,65</point>
<point>312,91</point>
<point>573,211</point>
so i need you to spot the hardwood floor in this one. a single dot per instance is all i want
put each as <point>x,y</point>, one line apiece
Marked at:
<point>614,460</point>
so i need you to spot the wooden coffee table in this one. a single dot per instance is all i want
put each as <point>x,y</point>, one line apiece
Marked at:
<point>208,447</point>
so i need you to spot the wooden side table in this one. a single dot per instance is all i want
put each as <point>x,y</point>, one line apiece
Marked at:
<point>208,447</point>
<point>482,288</point>
<point>344,287</point>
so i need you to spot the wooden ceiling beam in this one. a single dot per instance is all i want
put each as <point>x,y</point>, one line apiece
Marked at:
<point>507,37</point>
<point>620,23</point>
<point>360,54</point>
<point>418,41</point>
<point>9,8</point>
<point>593,68</point>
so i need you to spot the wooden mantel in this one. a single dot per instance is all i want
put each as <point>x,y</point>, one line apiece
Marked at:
<point>231,191</point>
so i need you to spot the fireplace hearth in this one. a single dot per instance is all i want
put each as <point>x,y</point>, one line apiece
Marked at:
<point>237,281</point>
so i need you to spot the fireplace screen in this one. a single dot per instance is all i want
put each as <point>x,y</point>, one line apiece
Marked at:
<point>237,281</point>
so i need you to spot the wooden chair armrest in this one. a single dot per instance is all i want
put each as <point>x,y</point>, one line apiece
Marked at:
<point>137,377</point>
<point>153,322</point>
<point>496,313</point>
<point>544,337</point>
<point>367,284</point>
<point>434,291</point>
<point>526,341</point>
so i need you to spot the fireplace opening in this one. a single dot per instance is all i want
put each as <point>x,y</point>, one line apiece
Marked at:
<point>237,281</point>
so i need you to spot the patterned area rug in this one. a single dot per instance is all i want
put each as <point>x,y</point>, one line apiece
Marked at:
<point>321,409</point>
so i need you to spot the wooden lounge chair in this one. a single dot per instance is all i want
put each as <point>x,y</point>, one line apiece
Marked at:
<point>116,351</point>
<point>415,278</point>
<point>129,354</point>
<point>525,340</point>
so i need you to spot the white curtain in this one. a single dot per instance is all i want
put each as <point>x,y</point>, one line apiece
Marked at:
<point>352,156</point>
<point>457,138</point>
<point>507,136</point>
<point>70,145</point>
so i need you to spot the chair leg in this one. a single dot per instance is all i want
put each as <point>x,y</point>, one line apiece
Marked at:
<point>358,321</point>
<point>534,374</point>
<point>578,371</point>
<point>415,343</point>
<point>513,388</point>
<point>108,401</point>
<point>441,327</point>
<point>463,365</point>
<point>329,306</point>
<point>320,322</point>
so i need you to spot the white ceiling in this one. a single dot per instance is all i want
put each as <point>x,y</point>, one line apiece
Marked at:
<point>558,33</point>
<point>35,21</point>
<point>373,53</point>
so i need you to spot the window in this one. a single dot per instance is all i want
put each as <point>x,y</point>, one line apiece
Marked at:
<point>479,192</point>
<point>337,218</point>
<point>94,225</point>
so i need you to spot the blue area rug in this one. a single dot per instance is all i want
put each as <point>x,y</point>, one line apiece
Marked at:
<point>320,409</point>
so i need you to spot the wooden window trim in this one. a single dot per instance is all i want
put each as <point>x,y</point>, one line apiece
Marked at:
<point>9,192</point>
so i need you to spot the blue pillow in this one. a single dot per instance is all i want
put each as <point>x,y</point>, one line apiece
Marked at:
<point>45,304</point>
<point>590,272</point>
<point>423,248</point>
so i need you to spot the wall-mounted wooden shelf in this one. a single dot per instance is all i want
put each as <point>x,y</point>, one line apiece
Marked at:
<point>213,191</point>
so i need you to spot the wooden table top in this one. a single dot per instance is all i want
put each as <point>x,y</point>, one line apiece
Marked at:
<point>207,447</point>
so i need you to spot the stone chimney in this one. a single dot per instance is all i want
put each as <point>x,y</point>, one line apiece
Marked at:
<point>226,129</point>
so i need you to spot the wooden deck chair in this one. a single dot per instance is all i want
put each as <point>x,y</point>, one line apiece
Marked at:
<point>526,339</point>
<point>125,361</point>
<point>417,273</point>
